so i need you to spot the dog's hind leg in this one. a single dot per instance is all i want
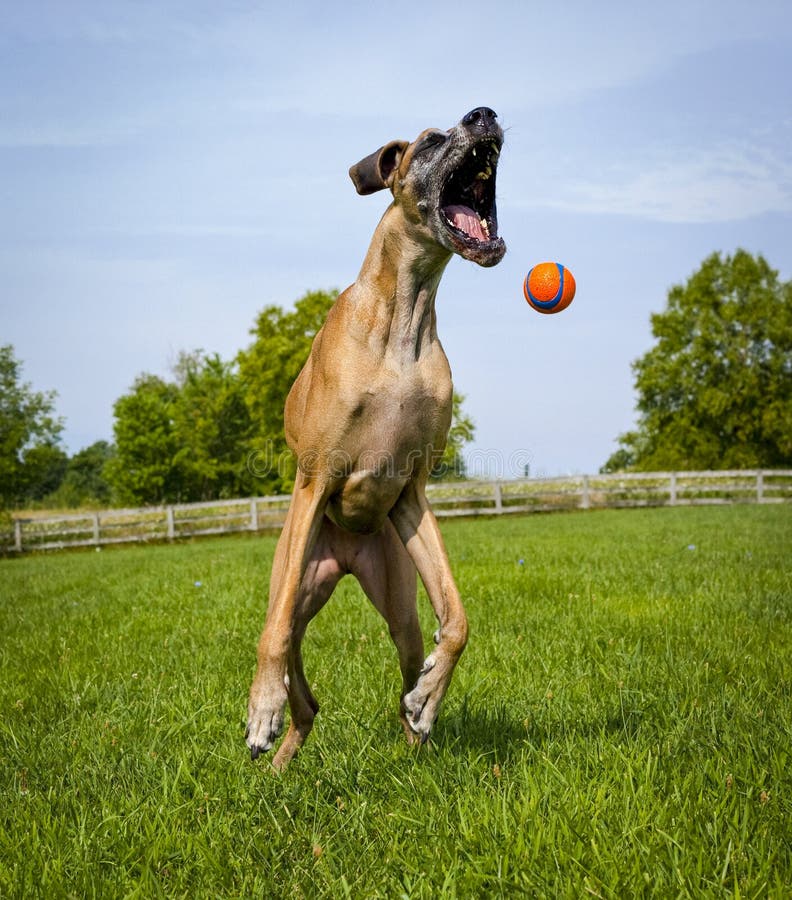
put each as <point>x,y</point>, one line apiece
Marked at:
<point>321,576</point>
<point>268,693</point>
<point>387,575</point>
<point>418,529</point>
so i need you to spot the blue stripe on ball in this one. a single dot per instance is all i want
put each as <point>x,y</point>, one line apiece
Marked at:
<point>547,304</point>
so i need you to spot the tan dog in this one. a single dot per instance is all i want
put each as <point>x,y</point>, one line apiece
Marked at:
<point>368,418</point>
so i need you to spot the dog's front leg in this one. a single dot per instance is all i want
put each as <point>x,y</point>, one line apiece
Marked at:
<point>418,529</point>
<point>269,691</point>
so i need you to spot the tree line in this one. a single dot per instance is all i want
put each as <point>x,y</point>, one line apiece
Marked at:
<point>714,392</point>
<point>213,430</point>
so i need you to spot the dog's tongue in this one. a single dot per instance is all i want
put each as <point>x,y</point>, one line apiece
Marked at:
<point>465,219</point>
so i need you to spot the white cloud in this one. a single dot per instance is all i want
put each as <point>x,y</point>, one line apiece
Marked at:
<point>725,183</point>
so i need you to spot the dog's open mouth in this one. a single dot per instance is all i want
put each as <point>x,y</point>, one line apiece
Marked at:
<point>467,201</point>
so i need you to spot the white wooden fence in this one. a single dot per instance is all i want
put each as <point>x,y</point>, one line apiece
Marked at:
<point>471,498</point>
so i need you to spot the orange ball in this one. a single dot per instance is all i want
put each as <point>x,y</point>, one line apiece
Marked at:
<point>549,287</point>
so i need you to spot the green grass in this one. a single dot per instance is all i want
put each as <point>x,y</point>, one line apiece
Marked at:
<point>620,724</point>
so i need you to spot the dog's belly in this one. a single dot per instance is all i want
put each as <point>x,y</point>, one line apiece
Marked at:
<point>366,497</point>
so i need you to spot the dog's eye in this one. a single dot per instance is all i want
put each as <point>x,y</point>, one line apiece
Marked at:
<point>431,140</point>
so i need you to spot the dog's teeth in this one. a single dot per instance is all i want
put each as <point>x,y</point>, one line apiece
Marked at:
<point>485,227</point>
<point>474,151</point>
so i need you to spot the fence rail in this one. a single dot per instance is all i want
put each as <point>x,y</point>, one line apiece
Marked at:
<point>471,498</point>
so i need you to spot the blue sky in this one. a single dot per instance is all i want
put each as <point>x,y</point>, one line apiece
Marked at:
<point>169,168</point>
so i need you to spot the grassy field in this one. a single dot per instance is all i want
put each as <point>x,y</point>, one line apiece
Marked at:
<point>620,724</point>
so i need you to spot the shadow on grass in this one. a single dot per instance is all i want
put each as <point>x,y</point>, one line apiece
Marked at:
<point>504,733</point>
<point>497,731</point>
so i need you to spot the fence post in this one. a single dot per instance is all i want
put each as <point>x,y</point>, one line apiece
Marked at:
<point>672,490</point>
<point>18,535</point>
<point>760,486</point>
<point>96,528</point>
<point>171,523</point>
<point>498,497</point>
<point>585,499</point>
<point>253,515</point>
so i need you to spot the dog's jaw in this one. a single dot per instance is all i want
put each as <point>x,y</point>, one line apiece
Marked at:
<point>453,176</point>
<point>466,205</point>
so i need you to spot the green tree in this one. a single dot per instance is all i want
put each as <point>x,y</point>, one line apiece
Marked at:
<point>282,342</point>
<point>142,470</point>
<point>32,463</point>
<point>212,428</point>
<point>85,483</point>
<point>453,466</point>
<point>183,440</point>
<point>715,392</point>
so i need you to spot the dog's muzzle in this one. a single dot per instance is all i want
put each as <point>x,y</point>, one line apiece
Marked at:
<point>467,197</point>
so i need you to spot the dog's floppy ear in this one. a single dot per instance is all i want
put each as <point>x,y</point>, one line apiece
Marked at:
<point>375,172</point>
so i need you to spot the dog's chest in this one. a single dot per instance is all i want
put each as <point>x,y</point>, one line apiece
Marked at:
<point>402,411</point>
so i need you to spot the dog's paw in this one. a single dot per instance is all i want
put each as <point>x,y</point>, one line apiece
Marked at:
<point>421,705</point>
<point>265,723</point>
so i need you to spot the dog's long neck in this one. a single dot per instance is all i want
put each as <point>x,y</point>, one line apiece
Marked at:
<point>395,291</point>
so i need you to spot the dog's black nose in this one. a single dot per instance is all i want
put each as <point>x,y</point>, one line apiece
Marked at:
<point>481,115</point>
